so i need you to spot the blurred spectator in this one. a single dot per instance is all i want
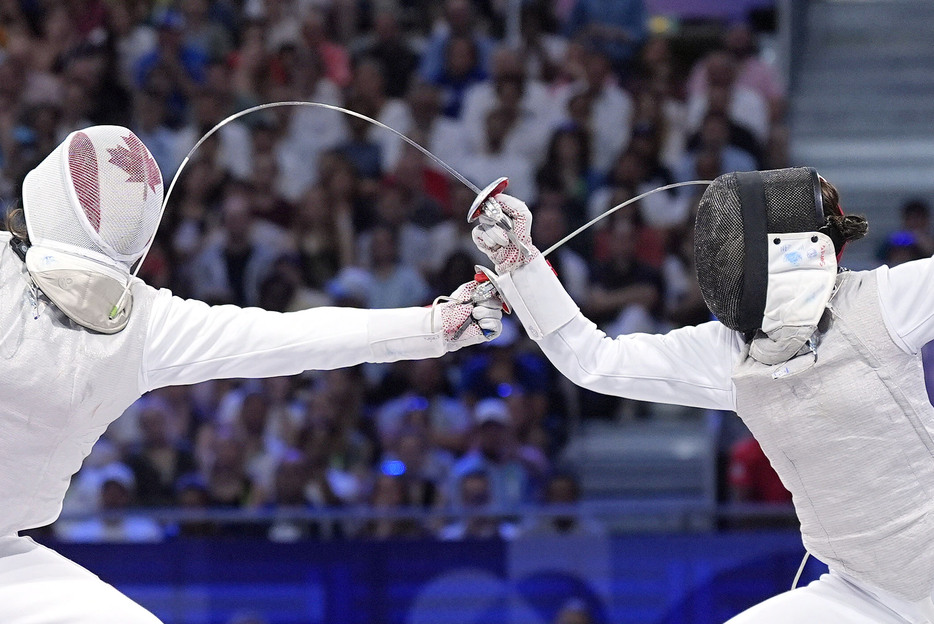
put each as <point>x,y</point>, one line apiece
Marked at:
<point>626,296</point>
<point>116,495</point>
<point>266,204</point>
<point>172,67</point>
<point>900,247</point>
<point>234,142</point>
<point>363,152</point>
<point>161,456</point>
<point>232,266</point>
<point>391,49</point>
<point>448,419</point>
<point>745,107</point>
<point>574,612</point>
<point>396,208</point>
<point>132,36</point>
<point>476,501</point>
<point>914,231</point>
<point>567,167</point>
<point>739,41</point>
<point>192,496</point>
<point>564,489</point>
<point>496,454</point>
<point>289,494</point>
<point>461,70</point>
<point>714,137</point>
<point>509,86</point>
<point>429,128</point>
<point>751,477</point>
<point>549,226</point>
<point>596,101</point>
<point>616,27</point>
<point>201,32</point>
<point>684,303</point>
<point>395,284</point>
<point>309,131</point>
<point>457,23</point>
<point>323,234</point>
<point>494,160</point>
<point>332,54</point>
<point>389,495</point>
<point>540,49</point>
<point>149,124</point>
<point>369,89</point>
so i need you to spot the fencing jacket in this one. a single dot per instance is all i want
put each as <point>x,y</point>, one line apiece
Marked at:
<point>848,428</point>
<point>61,385</point>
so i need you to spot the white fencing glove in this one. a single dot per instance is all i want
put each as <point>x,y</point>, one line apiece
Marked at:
<point>494,240</point>
<point>470,316</point>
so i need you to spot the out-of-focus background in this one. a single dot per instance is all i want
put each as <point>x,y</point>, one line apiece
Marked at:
<point>480,487</point>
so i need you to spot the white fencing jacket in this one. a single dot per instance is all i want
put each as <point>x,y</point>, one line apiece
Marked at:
<point>849,430</point>
<point>61,385</point>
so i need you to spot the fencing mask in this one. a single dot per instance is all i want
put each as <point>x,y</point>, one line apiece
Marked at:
<point>764,256</point>
<point>91,208</point>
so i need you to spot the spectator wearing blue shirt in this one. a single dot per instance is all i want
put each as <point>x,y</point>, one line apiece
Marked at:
<point>172,67</point>
<point>615,27</point>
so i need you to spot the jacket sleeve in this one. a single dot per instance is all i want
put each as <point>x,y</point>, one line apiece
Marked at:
<point>189,341</point>
<point>906,296</point>
<point>689,366</point>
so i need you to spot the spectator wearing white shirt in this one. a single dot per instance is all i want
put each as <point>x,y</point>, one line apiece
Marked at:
<point>746,106</point>
<point>535,107</point>
<point>495,161</point>
<point>609,110</point>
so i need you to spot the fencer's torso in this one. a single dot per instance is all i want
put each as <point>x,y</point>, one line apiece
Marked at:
<point>60,386</point>
<point>850,432</point>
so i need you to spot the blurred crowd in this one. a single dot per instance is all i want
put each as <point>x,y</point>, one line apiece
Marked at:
<point>578,102</point>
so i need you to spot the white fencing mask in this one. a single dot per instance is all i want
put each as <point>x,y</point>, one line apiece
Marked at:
<point>91,207</point>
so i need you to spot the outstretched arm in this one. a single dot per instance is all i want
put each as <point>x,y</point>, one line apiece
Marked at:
<point>688,366</point>
<point>190,341</point>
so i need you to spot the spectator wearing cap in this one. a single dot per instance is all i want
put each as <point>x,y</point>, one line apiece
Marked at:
<point>117,490</point>
<point>495,452</point>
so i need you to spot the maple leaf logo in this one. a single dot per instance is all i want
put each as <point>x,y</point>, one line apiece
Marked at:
<point>137,162</point>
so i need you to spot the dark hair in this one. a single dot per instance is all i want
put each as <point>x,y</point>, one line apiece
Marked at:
<point>850,227</point>
<point>15,223</point>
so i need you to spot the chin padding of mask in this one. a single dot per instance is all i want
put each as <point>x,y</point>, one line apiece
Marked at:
<point>83,289</point>
<point>801,278</point>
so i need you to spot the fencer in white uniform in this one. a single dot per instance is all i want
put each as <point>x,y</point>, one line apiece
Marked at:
<point>72,360</point>
<point>823,365</point>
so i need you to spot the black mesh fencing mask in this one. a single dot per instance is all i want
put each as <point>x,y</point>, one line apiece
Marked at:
<point>736,214</point>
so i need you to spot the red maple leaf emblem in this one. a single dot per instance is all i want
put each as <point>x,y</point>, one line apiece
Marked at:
<point>137,162</point>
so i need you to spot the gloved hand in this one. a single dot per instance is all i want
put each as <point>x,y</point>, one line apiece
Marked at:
<point>492,238</point>
<point>470,317</point>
